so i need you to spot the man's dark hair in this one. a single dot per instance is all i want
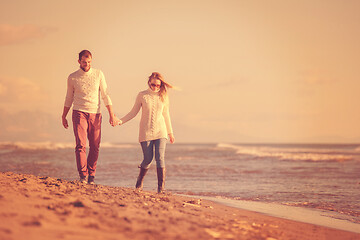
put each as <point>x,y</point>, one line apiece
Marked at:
<point>85,53</point>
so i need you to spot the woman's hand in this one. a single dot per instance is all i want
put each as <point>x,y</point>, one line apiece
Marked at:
<point>114,121</point>
<point>172,138</point>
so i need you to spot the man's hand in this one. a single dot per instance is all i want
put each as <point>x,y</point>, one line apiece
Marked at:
<point>65,122</point>
<point>114,121</point>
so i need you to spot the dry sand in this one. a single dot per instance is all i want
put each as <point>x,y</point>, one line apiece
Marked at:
<point>38,208</point>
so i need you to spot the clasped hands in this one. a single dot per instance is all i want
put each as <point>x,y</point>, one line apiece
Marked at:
<point>114,121</point>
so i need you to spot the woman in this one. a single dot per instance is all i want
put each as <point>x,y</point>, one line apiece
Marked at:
<point>155,127</point>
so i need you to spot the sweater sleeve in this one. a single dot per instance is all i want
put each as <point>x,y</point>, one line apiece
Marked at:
<point>103,90</point>
<point>134,111</point>
<point>166,115</point>
<point>69,93</point>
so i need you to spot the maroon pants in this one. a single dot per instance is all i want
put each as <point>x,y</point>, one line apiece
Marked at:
<point>87,126</point>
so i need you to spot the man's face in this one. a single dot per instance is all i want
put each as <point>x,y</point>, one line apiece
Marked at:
<point>85,63</point>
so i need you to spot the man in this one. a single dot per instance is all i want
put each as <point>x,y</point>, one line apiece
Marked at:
<point>84,88</point>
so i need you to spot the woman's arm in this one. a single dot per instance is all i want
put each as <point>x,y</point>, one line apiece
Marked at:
<point>134,111</point>
<point>167,119</point>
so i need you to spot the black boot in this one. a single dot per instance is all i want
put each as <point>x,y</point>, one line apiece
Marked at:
<point>161,179</point>
<point>140,179</point>
<point>91,180</point>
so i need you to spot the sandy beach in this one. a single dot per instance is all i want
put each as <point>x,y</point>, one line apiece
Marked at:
<point>33,207</point>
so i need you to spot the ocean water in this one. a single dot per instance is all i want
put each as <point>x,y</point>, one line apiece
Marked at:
<point>312,176</point>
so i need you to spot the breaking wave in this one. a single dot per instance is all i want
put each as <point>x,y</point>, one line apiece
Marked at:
<point>11,146</point>
<point>294,153</point>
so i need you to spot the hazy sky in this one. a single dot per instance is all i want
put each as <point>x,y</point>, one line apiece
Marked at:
<point>249,71</point>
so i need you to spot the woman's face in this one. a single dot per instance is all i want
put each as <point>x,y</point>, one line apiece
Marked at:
<point>155,84</point>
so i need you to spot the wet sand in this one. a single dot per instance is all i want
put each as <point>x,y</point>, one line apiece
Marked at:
<point>38,208</point>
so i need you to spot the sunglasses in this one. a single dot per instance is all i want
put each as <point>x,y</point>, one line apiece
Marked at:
<point>155,85</point>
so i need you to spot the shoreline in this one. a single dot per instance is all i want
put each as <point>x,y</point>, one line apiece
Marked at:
<point>38,208</point>
<point>299,214</point>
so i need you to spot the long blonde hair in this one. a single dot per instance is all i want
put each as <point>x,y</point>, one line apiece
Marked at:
<point>164,85</point>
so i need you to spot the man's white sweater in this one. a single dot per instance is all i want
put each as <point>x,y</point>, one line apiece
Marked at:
<point>84,89</point>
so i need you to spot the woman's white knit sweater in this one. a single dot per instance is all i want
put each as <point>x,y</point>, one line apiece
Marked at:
<point>155,120</point>
<point>84,89</point>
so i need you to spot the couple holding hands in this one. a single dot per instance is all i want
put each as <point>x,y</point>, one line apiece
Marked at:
<point>84,89</point>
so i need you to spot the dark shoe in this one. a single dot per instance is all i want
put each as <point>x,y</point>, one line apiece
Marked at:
<point>91,180</point>
<point>161,179</point>
<point>83,179</point>
<point>140,179</point>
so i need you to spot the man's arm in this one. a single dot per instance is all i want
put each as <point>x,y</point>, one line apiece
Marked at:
<point>64,121</point>
<point>113,120</point>
<point>68,101</point>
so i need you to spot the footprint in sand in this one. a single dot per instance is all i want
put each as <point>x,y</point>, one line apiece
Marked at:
<point>33,223</point>
<point>77,204</point>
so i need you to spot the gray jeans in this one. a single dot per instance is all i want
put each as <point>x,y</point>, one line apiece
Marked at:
<point>148,150</point>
